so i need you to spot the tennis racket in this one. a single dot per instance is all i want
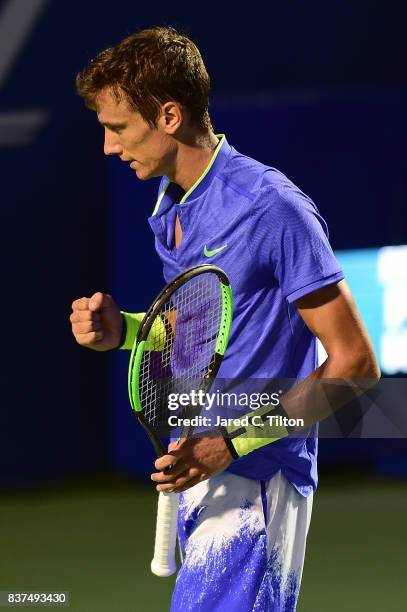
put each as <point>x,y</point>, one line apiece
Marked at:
<point>179,348</point>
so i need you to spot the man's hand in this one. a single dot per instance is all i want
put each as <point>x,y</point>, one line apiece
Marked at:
<point>97,322</point>
<point>194,460</point>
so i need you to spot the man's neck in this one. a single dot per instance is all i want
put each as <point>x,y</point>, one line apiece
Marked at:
<point>192,159</point>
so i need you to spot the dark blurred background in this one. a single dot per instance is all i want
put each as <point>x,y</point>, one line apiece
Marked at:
<point>317,90</point>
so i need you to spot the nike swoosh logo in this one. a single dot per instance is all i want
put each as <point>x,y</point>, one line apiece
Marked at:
<point>214,251</point>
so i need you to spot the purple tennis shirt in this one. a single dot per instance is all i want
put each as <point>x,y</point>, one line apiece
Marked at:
<point>268,236</point>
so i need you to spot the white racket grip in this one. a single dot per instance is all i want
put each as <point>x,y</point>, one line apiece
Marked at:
<point>163,563</point>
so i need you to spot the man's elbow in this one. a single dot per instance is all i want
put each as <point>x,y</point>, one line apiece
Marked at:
<point>356,362</point>
<point>366,366</point>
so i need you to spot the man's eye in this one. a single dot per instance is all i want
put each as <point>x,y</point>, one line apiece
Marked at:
<point>117,129</point>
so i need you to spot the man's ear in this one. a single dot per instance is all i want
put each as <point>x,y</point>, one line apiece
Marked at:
<point>171,117</point>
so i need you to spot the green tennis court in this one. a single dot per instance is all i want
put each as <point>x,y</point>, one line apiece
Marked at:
<point>94,539</point>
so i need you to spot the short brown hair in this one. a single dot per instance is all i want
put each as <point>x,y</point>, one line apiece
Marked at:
<point>150,68</point>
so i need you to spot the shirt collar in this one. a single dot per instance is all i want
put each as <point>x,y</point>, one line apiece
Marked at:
<point>216,164</point>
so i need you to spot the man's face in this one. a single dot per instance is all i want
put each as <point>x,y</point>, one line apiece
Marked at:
<point>150,151</point>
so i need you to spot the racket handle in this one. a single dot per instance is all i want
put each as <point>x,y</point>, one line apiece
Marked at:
<point>163,563</point>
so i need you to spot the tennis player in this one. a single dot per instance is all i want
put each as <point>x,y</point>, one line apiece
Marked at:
<point>246,503</point>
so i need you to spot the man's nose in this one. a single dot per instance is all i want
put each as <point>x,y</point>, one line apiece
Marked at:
<point>112,144</point>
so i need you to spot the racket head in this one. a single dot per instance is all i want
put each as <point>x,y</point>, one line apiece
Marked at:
<point>182,338</point>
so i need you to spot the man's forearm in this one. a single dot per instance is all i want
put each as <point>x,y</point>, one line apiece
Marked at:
<point>336,382</point>
<point>330,387</point>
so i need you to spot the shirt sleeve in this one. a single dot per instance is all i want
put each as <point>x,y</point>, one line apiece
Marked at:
<point>290,238</point>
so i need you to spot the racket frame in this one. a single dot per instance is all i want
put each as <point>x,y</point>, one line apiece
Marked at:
<point>146,325</point>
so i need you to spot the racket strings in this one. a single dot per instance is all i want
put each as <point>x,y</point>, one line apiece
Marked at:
<point>181,345</point>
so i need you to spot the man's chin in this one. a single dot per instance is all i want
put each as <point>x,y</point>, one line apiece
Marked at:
<point>143,174</point>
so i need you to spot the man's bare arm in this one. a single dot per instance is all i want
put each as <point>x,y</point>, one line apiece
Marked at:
<point>332,316</point>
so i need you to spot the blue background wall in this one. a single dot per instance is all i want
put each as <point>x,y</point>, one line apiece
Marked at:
<point>316,90</point>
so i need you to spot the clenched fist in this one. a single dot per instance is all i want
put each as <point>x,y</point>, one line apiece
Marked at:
<point>97,322</point>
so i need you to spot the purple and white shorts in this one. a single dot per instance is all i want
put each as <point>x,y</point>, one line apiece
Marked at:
<point>243,544</point>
